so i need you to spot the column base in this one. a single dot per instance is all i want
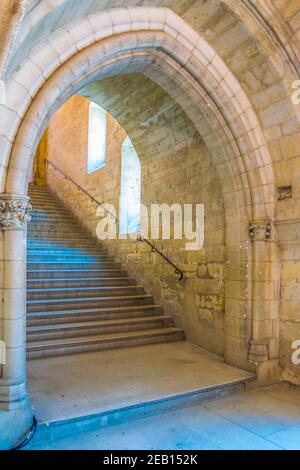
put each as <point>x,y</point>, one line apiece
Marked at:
<point>14,425</point>
<point>13,396</point>
<point>258,351</point>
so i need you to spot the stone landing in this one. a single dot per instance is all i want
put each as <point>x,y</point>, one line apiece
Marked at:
<point>82,392</point>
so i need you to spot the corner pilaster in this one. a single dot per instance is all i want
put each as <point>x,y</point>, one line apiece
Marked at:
<point>264,341</point>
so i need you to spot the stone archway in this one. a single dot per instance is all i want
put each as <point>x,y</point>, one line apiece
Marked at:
<point>162,47</point>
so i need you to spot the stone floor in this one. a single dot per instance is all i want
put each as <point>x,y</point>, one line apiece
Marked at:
<point>264,419</point>
<point>79,385</point>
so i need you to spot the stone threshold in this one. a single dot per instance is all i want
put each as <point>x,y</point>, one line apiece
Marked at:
<point>48,431</point>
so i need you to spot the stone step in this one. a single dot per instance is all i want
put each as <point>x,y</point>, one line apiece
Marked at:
<point>51,213</point>
<point>80,329</point>
<point>54,225</point>
<point>36,193</point>
<point>62,237</point>
<point>102,342</point>
<point>69,265</point>
<point>79,282</point>
<point>50,217</point>
<point>48,220</point>
<point>83,292</point>
<point>42,194</point>
<point>78,298</point>
<point>34,187</point>
<point>36,197</point>
<point>67,238</point>
<point>58,209</point>
<point>49,206</point>
<point>58,317</point>
<point>75,273</point>
<point>65,251</point>
<point>163,402</point>
<point>59,231</point>
<point>64,244</point>
<point>39,201</point>
<point>72,258</point>
<point>70,235</point>
<point>58,234</point>
<point>88,302</point>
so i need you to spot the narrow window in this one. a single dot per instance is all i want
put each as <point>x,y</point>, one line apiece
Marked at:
<point>96,138</point>
<point>130,200</point>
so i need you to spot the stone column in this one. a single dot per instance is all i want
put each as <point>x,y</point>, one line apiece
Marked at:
<point>14,215</point>
<point>264,341</point>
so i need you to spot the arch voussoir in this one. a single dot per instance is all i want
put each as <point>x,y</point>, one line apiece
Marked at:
<point>159,44</point>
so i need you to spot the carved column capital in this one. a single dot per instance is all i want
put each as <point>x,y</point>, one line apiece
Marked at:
<point>261,231</point>
<point>15,211</point>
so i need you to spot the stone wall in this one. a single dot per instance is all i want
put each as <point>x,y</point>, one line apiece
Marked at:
<point>176,168</point>
<point>260,67</point>
<point>67,144</point>
<point>163,137</point>
<point>231,64</point>
<point>288,235</point>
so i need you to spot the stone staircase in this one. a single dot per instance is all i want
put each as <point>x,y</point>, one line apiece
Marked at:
<point>78,298</point>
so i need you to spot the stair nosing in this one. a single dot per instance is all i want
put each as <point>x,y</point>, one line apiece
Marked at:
<point>90,311</point>
<point>70,289</point>
<point>76,299</point>
<point>104,338</point>
<point>104,323</point>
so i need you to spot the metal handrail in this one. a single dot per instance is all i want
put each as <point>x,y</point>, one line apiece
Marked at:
<point>80,188</point>
<point>140,238</point>
<point>156,250</point>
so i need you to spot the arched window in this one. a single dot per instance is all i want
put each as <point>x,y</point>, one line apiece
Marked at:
<point>130,198</point>
<point>96,138</point>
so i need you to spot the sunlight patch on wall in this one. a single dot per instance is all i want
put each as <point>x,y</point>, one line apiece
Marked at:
<point>130,198</point>
<point>96,138</point>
